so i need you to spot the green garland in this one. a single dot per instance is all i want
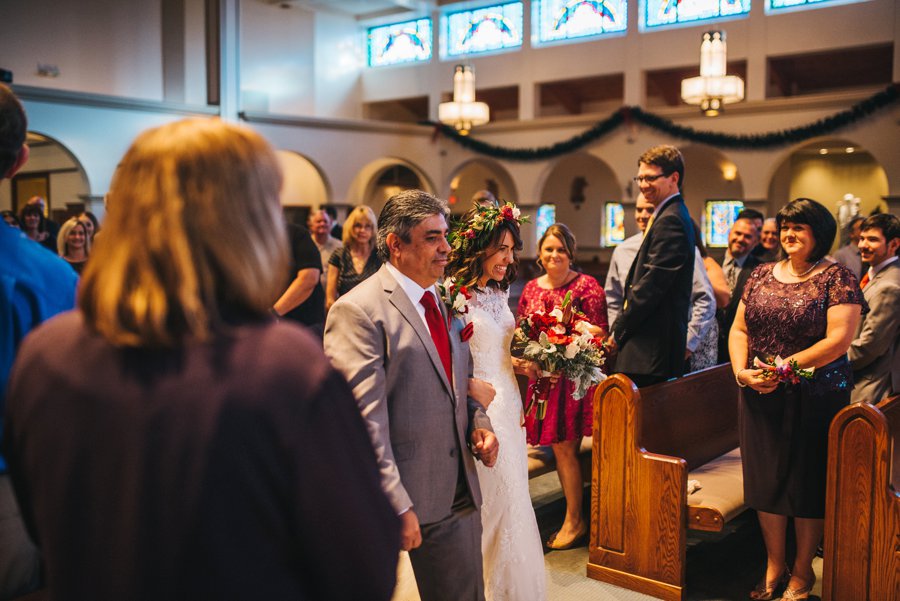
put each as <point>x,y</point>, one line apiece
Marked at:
<point>628,114</point>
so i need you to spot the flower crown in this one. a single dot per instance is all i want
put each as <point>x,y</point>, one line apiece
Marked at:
<point>476,232</point>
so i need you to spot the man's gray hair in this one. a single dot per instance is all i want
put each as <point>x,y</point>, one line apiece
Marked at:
<point>404,211</point>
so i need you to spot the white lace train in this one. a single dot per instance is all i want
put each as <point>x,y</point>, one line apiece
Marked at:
<point>511,545</point>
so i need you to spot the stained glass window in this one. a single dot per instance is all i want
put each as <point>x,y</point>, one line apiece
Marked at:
<point>566,19</point>
<point>669,12</point>
<point>613,224</point>
<point>718,219</point>
<point>546,216</point>
<point>776,4</point>
<point>483,29</point>
<point>400,43</point>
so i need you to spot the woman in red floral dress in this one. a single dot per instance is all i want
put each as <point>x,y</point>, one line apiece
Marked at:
<point>567,420</point>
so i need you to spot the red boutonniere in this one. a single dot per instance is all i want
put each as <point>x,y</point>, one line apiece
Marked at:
<point>466,332</point>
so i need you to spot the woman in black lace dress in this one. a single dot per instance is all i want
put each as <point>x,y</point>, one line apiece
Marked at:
<point>804,308</point>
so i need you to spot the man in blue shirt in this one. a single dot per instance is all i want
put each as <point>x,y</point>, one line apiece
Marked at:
<point>35,284</point>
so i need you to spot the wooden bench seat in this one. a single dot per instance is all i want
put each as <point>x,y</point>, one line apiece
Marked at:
<point>862,504</point>
<point>716,503</point>
<point>647,445</point>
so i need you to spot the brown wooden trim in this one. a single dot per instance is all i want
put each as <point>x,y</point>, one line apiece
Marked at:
<point>213,54</point>
<point>862,507</point>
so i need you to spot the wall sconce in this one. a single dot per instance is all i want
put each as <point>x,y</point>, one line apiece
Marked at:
<point>729,172</point>
<point>713,89</point>
<point>463,113</point>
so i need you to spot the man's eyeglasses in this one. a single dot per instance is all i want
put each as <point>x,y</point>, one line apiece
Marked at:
<point>649,178</point>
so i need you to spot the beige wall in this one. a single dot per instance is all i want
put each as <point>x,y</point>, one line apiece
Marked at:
<point>827,179</point>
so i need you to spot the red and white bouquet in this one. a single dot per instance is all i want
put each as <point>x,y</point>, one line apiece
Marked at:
<point>560,340</point>
<point>787,372</point>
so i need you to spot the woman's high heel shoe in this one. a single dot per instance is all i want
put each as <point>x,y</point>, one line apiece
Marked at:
<point>798,594</point>
<point>766,591</point>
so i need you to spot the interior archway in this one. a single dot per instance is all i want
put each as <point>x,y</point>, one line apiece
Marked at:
<point>709,175</point>
<point>54,173</point>
<point>829,170</point>
<point>579,184</point>
<point>479,174</point>
<point>381,179</point>
<point>304,185</point>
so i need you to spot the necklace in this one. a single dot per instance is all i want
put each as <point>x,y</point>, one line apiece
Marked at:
<point>564,281</point>
<point>800,275</point>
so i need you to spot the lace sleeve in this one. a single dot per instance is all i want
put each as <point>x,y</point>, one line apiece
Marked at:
<point>843,288</point>
<point>755,278</point>
<point>493,302</point>
<point>593,302</point>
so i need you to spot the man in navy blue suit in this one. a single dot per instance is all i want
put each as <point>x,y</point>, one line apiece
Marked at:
<point>651,330</point>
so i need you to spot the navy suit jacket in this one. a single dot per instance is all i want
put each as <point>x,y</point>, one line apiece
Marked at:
<point>727,314</point>
<point>651,330</point>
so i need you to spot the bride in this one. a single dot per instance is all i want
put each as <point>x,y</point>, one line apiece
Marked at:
<point>484,260</point>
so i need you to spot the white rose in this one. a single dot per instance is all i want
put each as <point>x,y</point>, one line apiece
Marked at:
<point>583,327</point>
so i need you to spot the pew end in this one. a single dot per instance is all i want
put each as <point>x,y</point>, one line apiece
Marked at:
<point>862,504</point>
<point>646,446</point>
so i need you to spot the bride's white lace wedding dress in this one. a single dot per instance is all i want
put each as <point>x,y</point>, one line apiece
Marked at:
<point>511,545</point>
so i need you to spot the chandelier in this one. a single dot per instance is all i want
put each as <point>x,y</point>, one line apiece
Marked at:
<point>463,113</point>
<point>713,89</point>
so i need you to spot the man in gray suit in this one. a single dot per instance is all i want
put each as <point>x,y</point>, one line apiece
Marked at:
<point>875,350</point>
<point>389,336</point>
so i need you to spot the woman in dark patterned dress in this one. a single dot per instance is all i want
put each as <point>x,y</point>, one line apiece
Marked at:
<point>567,420</point>
<point>804,308</point>
<point>357,259</point>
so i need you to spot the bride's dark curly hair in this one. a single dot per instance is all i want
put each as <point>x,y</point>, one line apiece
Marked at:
<point>466,269</point>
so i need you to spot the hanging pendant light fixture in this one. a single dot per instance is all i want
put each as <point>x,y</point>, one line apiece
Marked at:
<point>713,89</point>
<point>463,113</point>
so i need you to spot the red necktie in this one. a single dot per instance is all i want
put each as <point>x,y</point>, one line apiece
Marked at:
<point>438,330</point>
<point>864,280</point>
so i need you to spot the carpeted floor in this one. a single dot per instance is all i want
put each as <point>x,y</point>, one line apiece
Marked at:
<point>721,568</point>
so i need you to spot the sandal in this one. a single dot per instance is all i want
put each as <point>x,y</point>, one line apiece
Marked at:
<point>766,591</point>
<point>798,594</point>
<point>578,539</point>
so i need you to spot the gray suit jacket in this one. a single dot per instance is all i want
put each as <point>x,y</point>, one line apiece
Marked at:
<point>875,350</point>
<point>419,424</point>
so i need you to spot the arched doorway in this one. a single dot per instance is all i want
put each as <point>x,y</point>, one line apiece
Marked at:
<point>579,185</point>
<point>304,186</point>
<point>381,179</point>
<point>55,174</point>
<point>709,175</point>
<point>479,174</point>
<point>834,171</point>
